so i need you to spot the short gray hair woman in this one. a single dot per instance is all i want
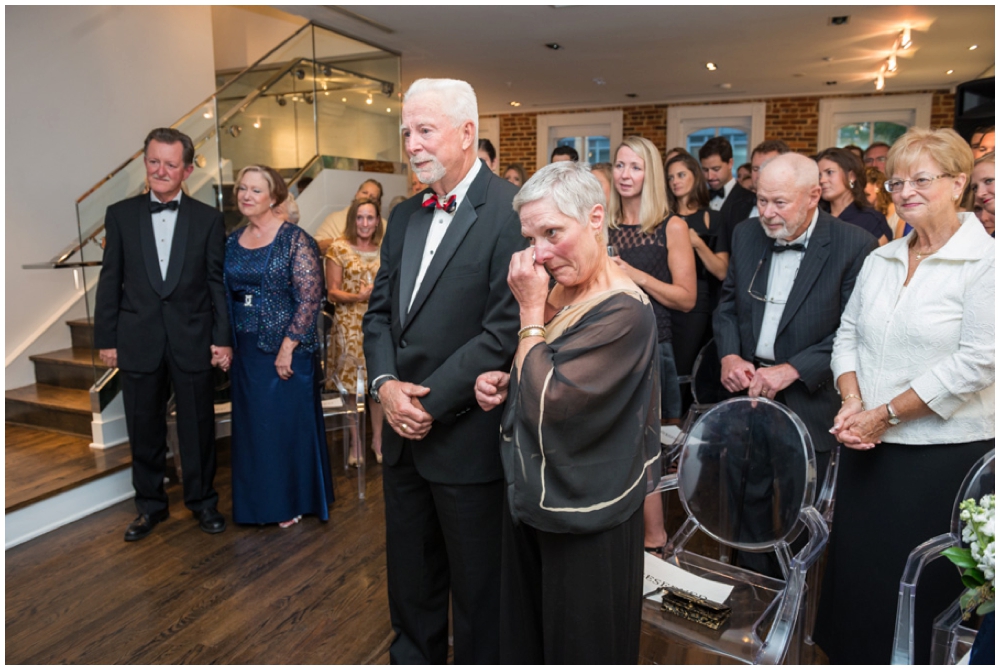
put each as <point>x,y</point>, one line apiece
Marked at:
<point>914,359</point>
<point>580,429</point>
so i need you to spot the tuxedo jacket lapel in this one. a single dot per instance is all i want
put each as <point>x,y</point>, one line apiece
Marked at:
<point>178,247</point>
<point>413,250</point>
<point>148,244</point>
<point>464,217</point>
<point>812,264</point>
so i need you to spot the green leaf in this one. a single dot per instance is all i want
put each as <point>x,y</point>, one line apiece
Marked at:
<point>975,576</point>
<point>986,607</point>
<point>960,557</point>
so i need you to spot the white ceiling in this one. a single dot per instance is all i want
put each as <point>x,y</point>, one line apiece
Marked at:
<point>659,53</point>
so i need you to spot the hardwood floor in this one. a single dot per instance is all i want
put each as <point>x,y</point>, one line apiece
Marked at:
<point>40,463</point>
<point>314,593</point>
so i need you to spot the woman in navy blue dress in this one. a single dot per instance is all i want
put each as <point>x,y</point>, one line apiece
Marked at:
<point>842,178</point>
<point>274,283</point>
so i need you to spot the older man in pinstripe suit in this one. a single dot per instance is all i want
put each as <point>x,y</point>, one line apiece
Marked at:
<point>789,280</point>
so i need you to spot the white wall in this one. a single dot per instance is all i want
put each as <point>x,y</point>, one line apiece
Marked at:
<point>243,34</point>
<point>84,85</point>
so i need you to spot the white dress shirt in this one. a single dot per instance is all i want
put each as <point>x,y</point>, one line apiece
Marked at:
<point>163,232</point>
<point>780,280</point>
<point>440,223</point>
<point>935,335</point>
<point>715,204</point>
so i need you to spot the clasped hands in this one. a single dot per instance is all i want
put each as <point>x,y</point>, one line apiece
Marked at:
<point>741,375</point>
<point>222,357</point>
<point>858,429</point>
<point>403,411</point>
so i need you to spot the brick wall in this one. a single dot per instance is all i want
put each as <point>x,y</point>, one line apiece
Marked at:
<point>794,120</point>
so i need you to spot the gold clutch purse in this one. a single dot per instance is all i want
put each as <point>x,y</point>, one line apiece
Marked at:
<point>693,608</point>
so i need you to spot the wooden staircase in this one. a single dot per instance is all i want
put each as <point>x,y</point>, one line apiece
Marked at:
<point>59,399</point>
<point>52,475</point>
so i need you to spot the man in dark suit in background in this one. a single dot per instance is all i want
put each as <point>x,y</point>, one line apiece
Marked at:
<point>790,277</point>
<point>439,315</point>
<point>160,316</point>
<point>726,196</point>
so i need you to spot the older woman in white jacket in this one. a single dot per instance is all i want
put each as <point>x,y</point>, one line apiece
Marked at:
<point>914,362</point>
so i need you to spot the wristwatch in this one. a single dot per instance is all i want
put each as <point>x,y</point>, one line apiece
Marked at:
<point>377,384</point>
<point>893,419</point>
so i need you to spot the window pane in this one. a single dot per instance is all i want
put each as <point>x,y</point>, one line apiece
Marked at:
<point>698,138</point>
<point>598,150</point>
<point>888,132</point>
<point>858,134</point>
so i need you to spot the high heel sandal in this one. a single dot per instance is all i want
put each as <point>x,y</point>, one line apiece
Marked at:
<point>290,522</point>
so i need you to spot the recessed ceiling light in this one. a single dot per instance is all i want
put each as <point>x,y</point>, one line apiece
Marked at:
<point>726,86</point>
<point>950,72</point>
<point>554,46</point>
<point>839,20</point>
<point>388,109</point>
<point>343,99</point>
<point>599,81</point>
<point>631,95</point>
<point>712,66</point>
<point>973,47</point>
<point>831,83</point>
<point>515,103</point>
<point>828,59</point>
<point>799,74</point>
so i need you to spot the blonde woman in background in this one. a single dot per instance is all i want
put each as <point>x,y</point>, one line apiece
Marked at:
<point>352,261</point>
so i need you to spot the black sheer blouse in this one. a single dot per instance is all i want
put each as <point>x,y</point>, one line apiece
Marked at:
<point>582,424</point>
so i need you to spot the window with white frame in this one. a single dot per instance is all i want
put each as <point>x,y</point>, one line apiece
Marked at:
<point>861,121</point>
<point>592,134</point>
<point>690,126</point>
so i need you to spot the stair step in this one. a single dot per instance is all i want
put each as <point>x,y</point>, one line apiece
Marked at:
<point>82,333</point>
<point>71,368</point>
<point>55,408</point>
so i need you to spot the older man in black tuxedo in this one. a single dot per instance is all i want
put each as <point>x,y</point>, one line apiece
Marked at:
<point>440,314</point>
<point>160,316</point>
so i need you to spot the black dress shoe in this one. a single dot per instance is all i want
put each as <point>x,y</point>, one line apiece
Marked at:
<point>144,525</point>
<point>210,520</point>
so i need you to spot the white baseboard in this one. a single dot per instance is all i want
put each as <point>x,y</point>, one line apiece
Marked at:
<point>72,505</point>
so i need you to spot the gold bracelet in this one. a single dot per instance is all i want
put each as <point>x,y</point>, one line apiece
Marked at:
<point>852,395</point>
<point>531,331</point>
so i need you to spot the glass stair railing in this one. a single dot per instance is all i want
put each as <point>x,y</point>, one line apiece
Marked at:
<point>316,95</point>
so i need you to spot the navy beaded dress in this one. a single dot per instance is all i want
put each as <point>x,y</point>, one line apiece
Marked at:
<point>281,468</point>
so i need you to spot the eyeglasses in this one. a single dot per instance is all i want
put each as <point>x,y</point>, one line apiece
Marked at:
<point>920,183</point>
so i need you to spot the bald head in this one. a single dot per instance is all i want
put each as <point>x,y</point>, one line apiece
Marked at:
<point>787,195</point>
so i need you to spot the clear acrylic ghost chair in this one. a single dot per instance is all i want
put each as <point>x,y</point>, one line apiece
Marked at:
<point>343,408</point>
<point>950,638</point>
<point>747,479</point>
<point>706,390</point>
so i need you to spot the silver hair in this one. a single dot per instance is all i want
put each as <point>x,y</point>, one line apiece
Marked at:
<point>456,97</point>
<point>571,186</point>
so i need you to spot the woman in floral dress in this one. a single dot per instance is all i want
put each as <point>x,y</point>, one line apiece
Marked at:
<point>352,262</point>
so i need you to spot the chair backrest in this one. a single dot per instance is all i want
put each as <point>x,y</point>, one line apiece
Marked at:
<point>980,480</point>
<point>746,472</point>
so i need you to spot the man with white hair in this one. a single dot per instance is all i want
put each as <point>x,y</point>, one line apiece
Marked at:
<point>791,274</point>
<point>788,282</point>
<point>440,314</point>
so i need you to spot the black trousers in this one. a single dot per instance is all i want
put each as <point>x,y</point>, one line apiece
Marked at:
<point>571,599</point>
<point>441,538</point>
<point>145,395</point>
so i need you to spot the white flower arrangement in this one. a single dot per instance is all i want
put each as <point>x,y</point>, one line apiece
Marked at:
<point>978,562</point>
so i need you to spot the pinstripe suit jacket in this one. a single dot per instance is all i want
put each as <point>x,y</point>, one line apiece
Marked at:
<point>823,285</point>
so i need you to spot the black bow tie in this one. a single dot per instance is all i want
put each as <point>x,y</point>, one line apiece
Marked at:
<point>779,248</point>
<point>156,206</point>
<point>714,193</point>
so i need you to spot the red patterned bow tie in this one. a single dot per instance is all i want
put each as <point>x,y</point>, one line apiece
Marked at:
<point>448,206</point>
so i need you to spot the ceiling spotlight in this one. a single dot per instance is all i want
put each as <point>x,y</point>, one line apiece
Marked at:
<point>950,72</point>
<point>295,98</point>
<point>973,47</point>
<point>388,109</point>
<point>892,63</point>
<point>905,41</point>
<point>839,20</point>
<point>327,71</point>
<point>280,99</point>
<point>879,82</point>
<point>256,124</point>
<point>831,83</point>
<point>343,99</point>
<point>235,130</point>
<point>554,46</point>
<point>711,66</point>
<point>300,74</point>
<point>369,100</point>
<point>308,98</point>
<point>208,114</point>
<point>515,103</point>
